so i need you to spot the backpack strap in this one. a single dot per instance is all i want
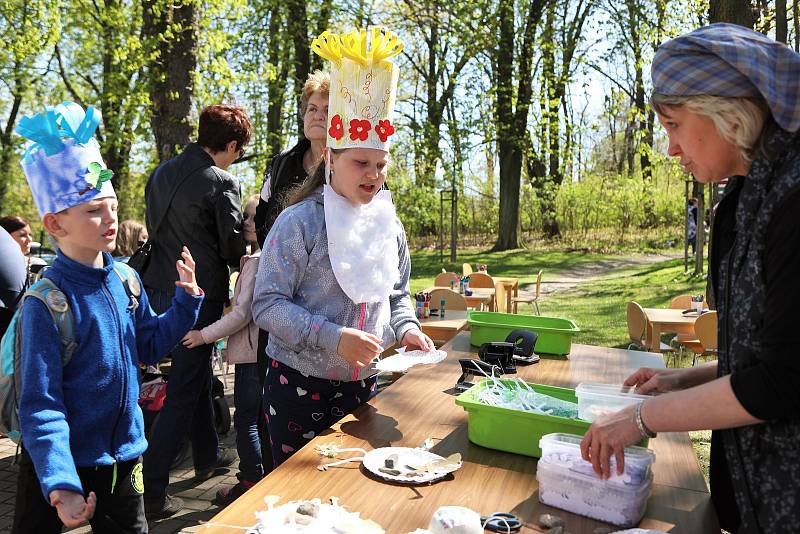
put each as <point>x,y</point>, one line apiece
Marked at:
<point>131,283</point>
<point>56,303</point>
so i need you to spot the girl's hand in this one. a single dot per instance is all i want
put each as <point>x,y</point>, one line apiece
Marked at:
<point>608,435</point>
<point>193,339</point>
<point>185,268</point>
<point>415,339</point>
<point>648,380</point>
<point>358,348</point>
<point>73,510</point>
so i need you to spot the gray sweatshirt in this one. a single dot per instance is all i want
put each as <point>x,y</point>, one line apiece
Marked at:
<point>298,301</point>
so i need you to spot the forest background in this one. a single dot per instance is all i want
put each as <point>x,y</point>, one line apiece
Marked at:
<point>519,121</point>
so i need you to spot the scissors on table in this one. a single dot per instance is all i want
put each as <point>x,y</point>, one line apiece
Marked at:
<point>501,522</point>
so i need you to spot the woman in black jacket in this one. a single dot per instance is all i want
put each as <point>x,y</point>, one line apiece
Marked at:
<point>729,99</point>
<point>290,168</point>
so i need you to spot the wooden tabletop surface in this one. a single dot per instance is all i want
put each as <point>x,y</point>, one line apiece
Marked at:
<point>437,328</point>
<point>669,316</point>
<point>419,406</point>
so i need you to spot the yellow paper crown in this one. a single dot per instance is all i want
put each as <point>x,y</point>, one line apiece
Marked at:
<point>363,86</point>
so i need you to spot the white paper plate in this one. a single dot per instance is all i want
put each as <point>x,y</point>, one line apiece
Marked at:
<point>402,362</point>
<point>375,460</point>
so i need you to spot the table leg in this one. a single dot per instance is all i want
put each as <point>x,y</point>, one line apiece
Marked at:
<point>654,340</point>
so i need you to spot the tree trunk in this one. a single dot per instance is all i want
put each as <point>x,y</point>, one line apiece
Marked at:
<point>796,20</point>
<point>430,132</point>
<point>298,33</point>
<point>781,22</point>
<point>7,151</point>
<point>173,72</point>
<point>276,88</point>
<point>734,11</point>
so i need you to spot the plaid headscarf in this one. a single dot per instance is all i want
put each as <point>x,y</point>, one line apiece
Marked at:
<point>731,61</point>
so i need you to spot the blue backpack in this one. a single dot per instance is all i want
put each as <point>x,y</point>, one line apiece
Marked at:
<point>10,346</point>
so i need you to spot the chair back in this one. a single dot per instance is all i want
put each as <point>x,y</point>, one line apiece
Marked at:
<point>466,269</point>
<point>443,279</point>
<point>481,280</point>
<point>637,322</point>
<point>705,327</point>
<point>501,297</point>
<point>452,300</point>
<point>684,302</point>
<point>538,283</point>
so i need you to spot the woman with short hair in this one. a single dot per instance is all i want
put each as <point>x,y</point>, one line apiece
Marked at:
<point>729,99</point>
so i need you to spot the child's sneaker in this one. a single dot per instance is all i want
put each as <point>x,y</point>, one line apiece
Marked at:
<point>164,507</point>
<point>228,494</point>
<point>225,458</point>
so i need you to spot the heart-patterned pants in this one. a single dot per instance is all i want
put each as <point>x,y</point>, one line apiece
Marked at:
<point>299,407</point>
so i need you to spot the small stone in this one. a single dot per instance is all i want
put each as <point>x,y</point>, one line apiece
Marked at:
<point>550,521</point>
<point>393,472</point>
<point>308,508</point>
<point>390,461</point>
<point>602,530</point>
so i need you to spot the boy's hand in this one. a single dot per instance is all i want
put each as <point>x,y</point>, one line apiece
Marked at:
<point>193,339</point>
<point>186,273</point>
<point>73,510</point>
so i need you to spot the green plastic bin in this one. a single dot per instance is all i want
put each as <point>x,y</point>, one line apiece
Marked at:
<point>555,334</point>
<point>516,431</point>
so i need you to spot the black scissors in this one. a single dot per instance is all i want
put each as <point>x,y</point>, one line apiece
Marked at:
<point>501,522</point>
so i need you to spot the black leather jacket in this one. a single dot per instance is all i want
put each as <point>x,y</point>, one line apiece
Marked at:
<point>205,215</point>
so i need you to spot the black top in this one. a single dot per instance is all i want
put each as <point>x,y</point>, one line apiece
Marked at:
<point>285,172</point>
<point>204,214</point>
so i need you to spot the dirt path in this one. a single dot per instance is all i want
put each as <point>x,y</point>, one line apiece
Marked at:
<point>581,274</point>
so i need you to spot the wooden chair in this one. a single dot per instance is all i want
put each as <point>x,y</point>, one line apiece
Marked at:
<point>637,330</point>
<point>452,300</point>
<point>705,328</point>
<point>466,269</point>
<point>684,302</point>
<point>481,280</point>
<point>533,300</point>
<point>443,280</point>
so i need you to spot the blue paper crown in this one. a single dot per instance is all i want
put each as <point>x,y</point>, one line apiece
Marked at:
<point>63,164</point>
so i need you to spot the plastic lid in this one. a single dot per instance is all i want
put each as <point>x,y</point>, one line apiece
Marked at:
<point>608,390</point>
<point>639,455</point>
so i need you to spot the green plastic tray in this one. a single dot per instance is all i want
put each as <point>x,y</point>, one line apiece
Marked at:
<point>516,431</point>
<point>555,334</point>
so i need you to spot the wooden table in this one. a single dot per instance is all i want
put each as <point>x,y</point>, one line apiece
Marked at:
<point>418,406</point>
<point>661,320</point>
<point>480,296</point>
<point>445,329</point>
<point>512,288</point>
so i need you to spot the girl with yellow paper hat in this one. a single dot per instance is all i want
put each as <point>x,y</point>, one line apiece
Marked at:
<point>332,285</point>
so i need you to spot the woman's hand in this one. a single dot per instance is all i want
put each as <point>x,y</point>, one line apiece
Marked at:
<point>73,509</point>
<point>185,268</point>
<point>648,380</point>
<point>608,435</point>
<point>193,339</point>
<point>358,347</point>
<point>415,339</point>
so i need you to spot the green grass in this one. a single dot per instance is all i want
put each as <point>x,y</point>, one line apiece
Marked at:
<point>519,263</point>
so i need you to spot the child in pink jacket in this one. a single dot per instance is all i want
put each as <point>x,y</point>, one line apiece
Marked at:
<point>241,350</point>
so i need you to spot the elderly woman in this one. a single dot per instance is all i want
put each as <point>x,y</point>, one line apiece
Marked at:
<point>729,99</point>
<point>290,168</point>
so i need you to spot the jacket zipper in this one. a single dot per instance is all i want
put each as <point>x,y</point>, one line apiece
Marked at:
<point>123,391</point>
<point>361,317</point>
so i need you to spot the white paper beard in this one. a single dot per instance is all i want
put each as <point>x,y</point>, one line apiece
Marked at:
<point>362,245</point>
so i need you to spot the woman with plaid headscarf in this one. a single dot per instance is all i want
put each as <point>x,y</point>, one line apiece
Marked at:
<point>729,99</point>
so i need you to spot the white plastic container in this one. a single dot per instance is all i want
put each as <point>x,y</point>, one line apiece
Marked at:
<point>595,400</point>
<point>568,482</point>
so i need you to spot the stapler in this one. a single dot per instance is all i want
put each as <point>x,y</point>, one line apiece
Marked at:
<point>500,354</point>
<point>524,341</point>
<point>474,368</point>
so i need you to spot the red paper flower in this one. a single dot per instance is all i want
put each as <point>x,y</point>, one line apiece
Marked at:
<point>337,128</point>
<point>384,129</point>
<point>359,130</point>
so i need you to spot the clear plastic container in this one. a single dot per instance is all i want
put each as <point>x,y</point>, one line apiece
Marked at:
<point>568,482</point>
<point>595,400</point>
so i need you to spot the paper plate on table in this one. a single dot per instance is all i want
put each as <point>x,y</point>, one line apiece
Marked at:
<point>415,466</point>
<point>403,361</point>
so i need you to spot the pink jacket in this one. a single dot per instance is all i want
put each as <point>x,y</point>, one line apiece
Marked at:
<point>238,323</point>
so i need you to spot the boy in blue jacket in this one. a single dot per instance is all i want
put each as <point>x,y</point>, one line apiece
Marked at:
<point>82,428</point>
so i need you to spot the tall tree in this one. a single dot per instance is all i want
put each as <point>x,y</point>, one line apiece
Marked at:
<point>512,105</point>
<point>781,22</point>
<point>171,28</point>
<point>734,11</point>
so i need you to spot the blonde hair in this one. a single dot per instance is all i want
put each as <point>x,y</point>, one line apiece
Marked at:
<point>128,236</point>
<point>740,121</point>
<point>317,82</point>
